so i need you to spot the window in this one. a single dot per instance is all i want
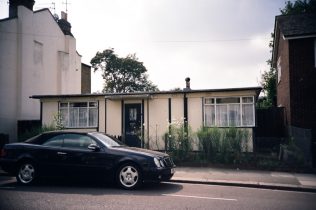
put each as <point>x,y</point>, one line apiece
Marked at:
<point>79,114</point>
<point>77,141</point>
<point>56,141</point>
<point>229,112</point>
<point>279,69</point>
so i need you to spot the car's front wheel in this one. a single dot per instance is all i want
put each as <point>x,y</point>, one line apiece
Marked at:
<point>26,173</point>
<point>129,176</point>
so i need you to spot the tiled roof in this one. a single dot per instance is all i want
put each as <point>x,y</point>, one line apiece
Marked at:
<point>297,25</point>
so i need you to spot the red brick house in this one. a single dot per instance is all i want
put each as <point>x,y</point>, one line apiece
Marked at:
<point>294,57</point>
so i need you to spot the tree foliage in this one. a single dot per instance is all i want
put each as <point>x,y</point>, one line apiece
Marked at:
<point>122,75</point>
<point>268,83</point>
<point>269,78</point>
<point>299,7</point>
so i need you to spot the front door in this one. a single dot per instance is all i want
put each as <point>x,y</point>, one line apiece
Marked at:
<point>133,124</point>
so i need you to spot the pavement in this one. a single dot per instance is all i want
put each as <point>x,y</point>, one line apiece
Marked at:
<point>246,178</point>
<point>242,178</point>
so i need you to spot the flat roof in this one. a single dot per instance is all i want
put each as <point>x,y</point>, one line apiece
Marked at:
<point>134,95</point>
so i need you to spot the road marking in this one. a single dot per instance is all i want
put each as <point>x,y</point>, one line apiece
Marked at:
<point>200,197</point>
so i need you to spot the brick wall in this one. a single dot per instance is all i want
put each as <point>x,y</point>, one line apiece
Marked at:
<point>85,78</point>
<point>283,86</point>
<point>303,83</point>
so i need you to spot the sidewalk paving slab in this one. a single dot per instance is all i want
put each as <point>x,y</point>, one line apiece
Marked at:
<point>246,178</point>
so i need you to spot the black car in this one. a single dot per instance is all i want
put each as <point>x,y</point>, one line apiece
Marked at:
<point>66,153</point>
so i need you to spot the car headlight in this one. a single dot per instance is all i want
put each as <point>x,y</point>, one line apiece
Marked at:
<point>161,163</point>
<point>157,162</point>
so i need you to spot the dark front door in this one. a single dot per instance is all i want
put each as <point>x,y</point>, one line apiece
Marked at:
<point>133,125</point>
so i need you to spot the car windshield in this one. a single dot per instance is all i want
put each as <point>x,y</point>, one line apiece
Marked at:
<point>108,140</point>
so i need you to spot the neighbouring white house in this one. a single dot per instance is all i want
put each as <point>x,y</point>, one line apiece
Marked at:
<point>37,56</point>
<point>142,118</point>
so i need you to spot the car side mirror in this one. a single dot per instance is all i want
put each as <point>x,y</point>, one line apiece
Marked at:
<point>94,147</point>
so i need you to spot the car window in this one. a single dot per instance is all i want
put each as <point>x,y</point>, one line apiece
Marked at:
<point>77,141</point>
<point>109,141</point>
<point>56,141</point>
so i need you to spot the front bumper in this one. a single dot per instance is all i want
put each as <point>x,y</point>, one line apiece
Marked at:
<point>158,174</point>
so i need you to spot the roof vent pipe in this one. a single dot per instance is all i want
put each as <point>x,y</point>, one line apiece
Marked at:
<point>187,83</point>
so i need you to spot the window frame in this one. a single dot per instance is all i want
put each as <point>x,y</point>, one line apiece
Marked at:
<point>215,107</point>
<point>88,110</point>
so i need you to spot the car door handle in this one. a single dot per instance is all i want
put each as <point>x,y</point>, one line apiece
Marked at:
<point>61,153</point>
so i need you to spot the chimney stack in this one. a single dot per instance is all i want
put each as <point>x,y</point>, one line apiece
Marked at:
<point>13,6</point>
<point>187,83</point>
<point>64,15</point>
<point>64,25</point>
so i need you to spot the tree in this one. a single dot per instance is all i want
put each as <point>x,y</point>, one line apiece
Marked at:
<point>299,7</point>
<point>268,83</point>
<point>122,75</point>
<point>269,78</point>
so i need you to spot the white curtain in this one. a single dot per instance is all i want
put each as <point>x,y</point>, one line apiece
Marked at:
<point>234,115</point>
<point>247,115</point>
<point>229,112</point>
<point>221,116</point>
<point>209,115</point>
<point>93,117</point>
<point>73,117</point>
<point>64,116</point>
<point>83,116</point>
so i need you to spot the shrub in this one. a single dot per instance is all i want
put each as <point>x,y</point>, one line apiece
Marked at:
<point>56,125</point>
<point>35,131</point>
<point>224,145</point>
<point>179,140</point>
<point>209,142</point>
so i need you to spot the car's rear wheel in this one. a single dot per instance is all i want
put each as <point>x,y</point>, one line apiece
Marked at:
<point>129,176</point>
<point>26,173</point>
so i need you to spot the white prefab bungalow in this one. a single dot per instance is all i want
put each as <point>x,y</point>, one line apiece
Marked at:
<point>144,117</point>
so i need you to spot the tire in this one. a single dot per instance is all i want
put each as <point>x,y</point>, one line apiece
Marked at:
<point>26,173</point>
<point>129,176</point>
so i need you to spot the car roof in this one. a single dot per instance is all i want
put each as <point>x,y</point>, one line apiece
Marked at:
<point>67,131</point>
<point>40,136</point>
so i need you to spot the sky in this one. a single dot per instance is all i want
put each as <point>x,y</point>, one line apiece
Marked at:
<point>217,43</point>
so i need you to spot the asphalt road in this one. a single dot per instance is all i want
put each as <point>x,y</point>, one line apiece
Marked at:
<point>69,194</point>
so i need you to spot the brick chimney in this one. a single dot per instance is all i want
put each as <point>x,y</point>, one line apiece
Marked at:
<point>64,25</point>
<point>13,6</point>
<point>64,15</point>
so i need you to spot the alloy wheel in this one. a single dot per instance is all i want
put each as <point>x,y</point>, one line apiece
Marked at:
<point>129,176</point>
<point>26,173</point>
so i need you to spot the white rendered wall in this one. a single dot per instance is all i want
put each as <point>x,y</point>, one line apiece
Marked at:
<point>8,76</point>
<point>36,58</point>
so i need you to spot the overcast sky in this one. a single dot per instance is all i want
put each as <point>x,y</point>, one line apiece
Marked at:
<point>217,43</point>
